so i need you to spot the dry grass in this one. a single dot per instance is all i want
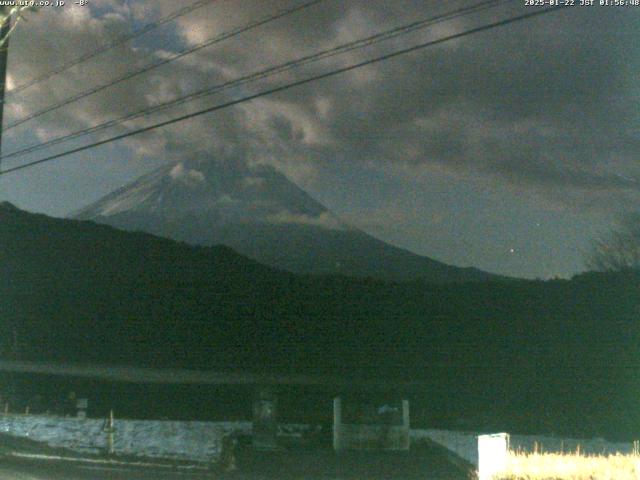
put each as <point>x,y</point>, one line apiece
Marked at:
<point>571,466</point>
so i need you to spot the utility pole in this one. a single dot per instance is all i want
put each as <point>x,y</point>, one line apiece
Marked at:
<point>4,57</point>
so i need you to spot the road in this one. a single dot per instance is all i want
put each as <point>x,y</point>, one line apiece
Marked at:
<point>421,464</point>
<point>29,469</point>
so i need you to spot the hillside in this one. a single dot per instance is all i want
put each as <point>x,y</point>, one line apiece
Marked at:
<point>534,355</point>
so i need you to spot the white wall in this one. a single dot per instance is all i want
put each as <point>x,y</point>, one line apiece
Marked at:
<point>463,444</point>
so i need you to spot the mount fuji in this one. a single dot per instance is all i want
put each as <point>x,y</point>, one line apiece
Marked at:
<point>261,214</point>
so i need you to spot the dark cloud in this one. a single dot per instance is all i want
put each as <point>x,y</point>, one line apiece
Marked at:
<point>545,108</point>
<point>543,102</point>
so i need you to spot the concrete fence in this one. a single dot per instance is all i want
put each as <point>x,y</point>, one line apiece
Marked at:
<point>202,441</point>
<point>193,441</point>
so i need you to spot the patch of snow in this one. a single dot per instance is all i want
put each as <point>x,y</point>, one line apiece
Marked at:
<point>226,199</point>
<point>130,200</point>
<point>249,182</point>
<point>324,220</point>
<point>189,177</point>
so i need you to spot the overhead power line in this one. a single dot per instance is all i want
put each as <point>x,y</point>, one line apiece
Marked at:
<point>165,61</point>
<point>271,71</point>
<point>110,45</point>
<point>287,86</point>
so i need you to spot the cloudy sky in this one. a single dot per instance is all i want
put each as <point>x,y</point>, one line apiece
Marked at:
<point>506,150</point>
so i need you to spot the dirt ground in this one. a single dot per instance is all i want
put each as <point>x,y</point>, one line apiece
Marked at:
<point>422,462</point>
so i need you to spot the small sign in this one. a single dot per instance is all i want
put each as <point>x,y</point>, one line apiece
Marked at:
<point>493,451</point>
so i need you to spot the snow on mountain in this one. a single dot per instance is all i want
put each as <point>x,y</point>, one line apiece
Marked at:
<point>221,192</point>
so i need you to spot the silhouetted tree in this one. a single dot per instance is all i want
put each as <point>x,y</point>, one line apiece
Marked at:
<point>619,249</point>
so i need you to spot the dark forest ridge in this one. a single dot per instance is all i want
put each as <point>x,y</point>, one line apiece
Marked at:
<point>552,351</point>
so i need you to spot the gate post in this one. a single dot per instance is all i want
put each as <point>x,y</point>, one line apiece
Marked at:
<point>265,418</point>
<point>337,423</point>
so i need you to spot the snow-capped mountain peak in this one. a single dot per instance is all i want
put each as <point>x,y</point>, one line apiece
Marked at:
<point>223,192</point>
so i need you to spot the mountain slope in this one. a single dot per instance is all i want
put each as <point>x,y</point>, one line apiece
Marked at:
<point>261,214</point>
